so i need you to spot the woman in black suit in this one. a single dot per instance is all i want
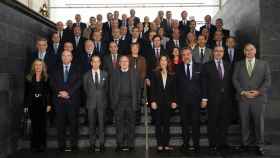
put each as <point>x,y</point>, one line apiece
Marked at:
<point>37,101</point>
<point>163,100</point>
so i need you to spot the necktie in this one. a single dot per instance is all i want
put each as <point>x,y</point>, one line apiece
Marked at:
<point>231,55</point>
<point>60,35</point>
<point>157,53</point>
<point>220,72</point>
<point>188,72</point>
<point>66,73</point>
<point>41,55</point>
<point>77,41</point>
<point>201,55</point>
<point>96,79</point>
<point>117,41</point>
<point>177,43</point>
<point>114,60</point>
<point>55,48</point>
<point>250,68</point>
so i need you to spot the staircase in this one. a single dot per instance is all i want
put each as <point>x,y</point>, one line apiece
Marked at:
<point>110,132</point>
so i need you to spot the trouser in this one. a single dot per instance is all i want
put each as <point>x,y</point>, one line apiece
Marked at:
<point>38,125</point>
<point>162,118</point>
<point>69,114</point>
<point>125,124</point>
<point>96,115</point>
<point>252,109</point>
<point>218,121</point>
<point>190,118</point>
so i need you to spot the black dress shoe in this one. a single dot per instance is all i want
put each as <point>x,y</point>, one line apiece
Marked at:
<point>260,151</point>
<point>118,149</point>
<point>92,148</point>
<point>197,149</point>
<point>213,150</point>
<point>102,148</point>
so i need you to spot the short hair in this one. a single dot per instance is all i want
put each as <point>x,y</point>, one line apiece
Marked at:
<point>184,49</point>
<point>39,39</point>
<point>249,44</point>
<point>95,56</point>
<point>156,36</point>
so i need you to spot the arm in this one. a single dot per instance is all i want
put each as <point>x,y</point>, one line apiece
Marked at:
<point>235,78</point>
<point>266,81</point>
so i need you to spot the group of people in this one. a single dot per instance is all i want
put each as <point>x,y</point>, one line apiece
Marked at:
<point>109,65</point>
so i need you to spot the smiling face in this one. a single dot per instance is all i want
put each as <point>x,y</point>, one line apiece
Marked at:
<point>95,62</point>
<point>66,57</point>
<point>250,51</point>
<point>218,53</point>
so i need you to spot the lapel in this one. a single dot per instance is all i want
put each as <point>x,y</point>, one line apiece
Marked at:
<point>254,68</point>
<point>215,70</point>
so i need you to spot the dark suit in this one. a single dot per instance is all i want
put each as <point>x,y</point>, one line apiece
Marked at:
<point>213,44</point>
<point>189,101</point>
<point>123,46</point>
<point>84,61</point>
<point>96,94</point>
<point>82,25</point>
<point>163,96</point>
<point>67,108</point>
<point>211,30</point>
<point>219,101</point>
<point>107,27</point>
<point>125,106</point>
<point>237,56</point>
<point>171,44</point>
<point>184,28</point>
<point>80,47</point>
<point>101,50</point>
<point>108,65</point>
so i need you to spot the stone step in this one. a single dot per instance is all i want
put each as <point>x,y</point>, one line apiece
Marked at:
<point>140,130</point>
<point>139,142</point>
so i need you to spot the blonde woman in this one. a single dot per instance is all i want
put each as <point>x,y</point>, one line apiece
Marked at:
<point>37,101</point>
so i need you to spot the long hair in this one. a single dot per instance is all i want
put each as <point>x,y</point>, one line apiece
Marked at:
<point>169,68</point>
<point>44,75</point>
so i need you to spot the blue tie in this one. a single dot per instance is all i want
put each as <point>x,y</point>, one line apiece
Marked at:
<point>66,73</point>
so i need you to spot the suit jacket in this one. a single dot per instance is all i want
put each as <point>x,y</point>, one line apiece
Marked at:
<point>106,27</point>
<point>102,51</point>
<point>152,61</point>
<point>171,44</point>
<point>115,88</point>
<point>83,26</point>
<point>259,80</point>
<point>212,90</point>
<point>160,94</point>
<point>184,28</point>
<point>207,55</point>
<point>72,86</point>
<point>213,44</point>
<point>236,57</point>
<point>211,31</point>
<point>84,61</point>
<point>108,63</point>
<point>80,47</point>
<point>123,46</point>
<point>96,95</point>
<point>192,88</point>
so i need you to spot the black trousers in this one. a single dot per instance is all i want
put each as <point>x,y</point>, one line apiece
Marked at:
<point>162,118</point>
<point>67,114</point>
<point>125,124</point>
<point>190,119</point>
<point>218,121</point>
<point>38,125</point>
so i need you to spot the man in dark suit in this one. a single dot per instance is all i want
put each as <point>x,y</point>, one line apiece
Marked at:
<point>55,46</point>
<point>43,54</point>
<point>219,27</point>
<point>125,95</point>
<point>192,28</point>
<point>63,34</point>
<point>211,28</point>
<point>135,38</point>
<point>148,44</point>
<point>162,19</point>
<point>232,54</point>
<point>110,61</point>
<point>95,83</point>
<point>154,54</point>
<point>100,45</point>
<point>188,80</point>
<point>123,45</point>
<point>136,20</point>
<point>107,26</point>
<point>201,54</point>
<point>85,57</point>
<point>78,41</point>
<point>217,98</point>
<point>168,24</point>
<point>218,40</point>
<point>116,17</point>
<point>82,25</point>
<point>66,86</point>
<point>184,23</point>
<point>124,21</point>
<point>174,42</point>
<point>251,79</point>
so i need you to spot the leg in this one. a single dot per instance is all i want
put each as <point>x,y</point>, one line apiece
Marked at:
<point>119,115</point>
<point>92,125</point>
<point>195,117</point>
<point>257,110</point>
<point>60,123</point>
<point>212,125</point>
<point>245,121</point>
<point>130,127</point>
<point>72,116</point>
<point>101,126</point>
<point>158,127</point>
<point>185,121</point>
<point>165,116</point>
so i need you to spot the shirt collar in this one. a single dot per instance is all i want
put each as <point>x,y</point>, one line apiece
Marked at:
<point>124,70</point>
<point>93,71</point>
<point>64,65</point>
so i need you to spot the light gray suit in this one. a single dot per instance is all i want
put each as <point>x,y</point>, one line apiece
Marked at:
<point>260,80</point>
<point>96,103</point>
<point>207,55</point>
